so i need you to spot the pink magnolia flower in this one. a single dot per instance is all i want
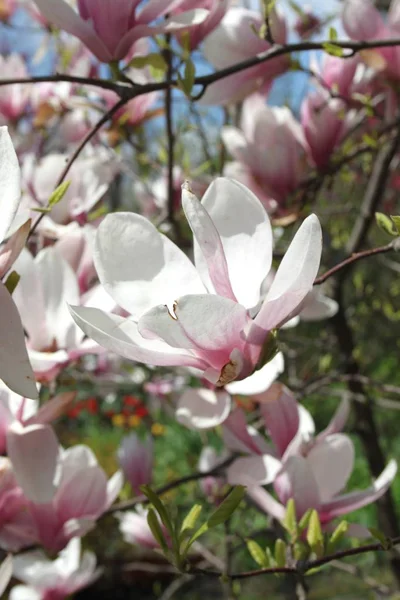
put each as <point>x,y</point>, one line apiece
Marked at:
<point>325,121</point>
<point>136,461</point>
<point>57,579</point>
<point>197,33</point>
<point>209,316</point>
<point>110,27</point>
<point>135,529</point>
<point>14,99</point>
<point>15,369</point>
<point>235,40</point>
<point>75,245</point>
<point>67,489</point>
<point>313,470</point>
<point>46,284</point>
<point>277,172</point>
<point>363,21</point>
<point>17,529</point>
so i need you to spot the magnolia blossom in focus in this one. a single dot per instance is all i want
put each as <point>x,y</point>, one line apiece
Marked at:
<point>54,580</point>
<point>363,21</point>
<point>313,470</point>
<point>66,489</point>
<point>110,27</point>
<point>15,369</point>
<point>235,40</point>
<point>136,461</point>
<point>270,150</point>
<point>208,317</point>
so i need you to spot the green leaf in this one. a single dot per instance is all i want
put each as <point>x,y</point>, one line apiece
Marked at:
<point>186,82</point>
<point>332,34</point>
<point>396,221</point>
<point>315,537</point>
<point>154,525</point>
<point>290,520</point>
<point>58,193</point>
<point>337,536</point>
<point>305,520</point>
<point>227,507</point>
<point>159,506</point>
<point>332,49</point>
<point>12,281</point>
<point>154,60</point>
<point>301,551</point>
<point>386,223</point>
<point>269,349</point>
<point>191,518</point>
<point>258,554</point>
<point>378,535</point>
<point>280,553</point>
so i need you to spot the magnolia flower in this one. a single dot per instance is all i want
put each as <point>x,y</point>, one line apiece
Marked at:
<point>15,369</point>
<point>235,40</point>
<point>135,529</point>
<point>136,460</point>
<point>14,407</point>
<point>313,470</point>
<point>47,283</point>
<point>13,98</point>
<point>307,23</point>
<point>270,148</point>
<point>325,121</point>
<point>47,579</point>
<point>6,570</point>
<point>363,21</point>
<point>207,317</point>
<point>17,528</point>
<point>67,489</point>
<point>110,27</point>
<point>197,33</point>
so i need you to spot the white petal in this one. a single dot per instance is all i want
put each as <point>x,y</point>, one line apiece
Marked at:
<point>317,307</point>
<point>260,380</point>
<point>246,236</point>
<point>139,267</point>
<point>15,368</point>
<point>202,408</point>
<point>122,337</point>
<point>259,469</point>
<point>10,182</point>
<point>6,570</point>
<point>332,463</point>
<point>295,276</point>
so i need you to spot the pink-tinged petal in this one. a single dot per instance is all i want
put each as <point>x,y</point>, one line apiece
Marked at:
<point>122,337</point>
<point>240,437</point>
<point>317,307</point>
<point>297,481</point>
<point>60,14</point>
<point>34,451</point>
<point>114,486</point>
<point>15,368</point>
<point>10,182</point>
<point>236,143</point>
<point>332,462</point>
<point>209,242</point>
<point>361,20</point>
<point>294,278</point>
<point>266,502</point>
<point>13,247</point>
<point>32,311</point>
<point>6,570</point>
<point>83,494</point>
<point>139,267</point>
<point>394,15</point>
<point>246,235</point>
<point>201,408</point>
<point>46,365</point>
<point>74,528</point>
<point>260,380</point>
<point>348,502</point>
<point>338,421</point>
<point>250,469</point>
<point>280,412</point>
<point>52,409</point>
<point>231,89</point>
<point>304,433</point>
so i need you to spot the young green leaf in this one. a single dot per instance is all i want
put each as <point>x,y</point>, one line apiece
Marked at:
<point>386,223</point>
<point>280,553</point>
<point>58,193</point>
<point>315,537</point>
<point>290,520</point>
<point>227,507</point>
<point>157,61</point>
<point>305,519</point>
<point>159,507</point>
<point>155,528</point>
<point>258,554</point>
<point>332,49</point>
<point>191,518</point>
<point>337,537</point>
<point>12,281</point>
<point>396,221</point>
